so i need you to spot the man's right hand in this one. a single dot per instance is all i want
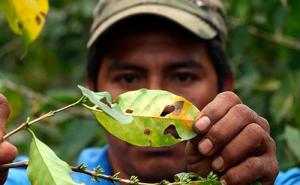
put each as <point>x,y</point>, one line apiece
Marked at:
<point>8,151</point>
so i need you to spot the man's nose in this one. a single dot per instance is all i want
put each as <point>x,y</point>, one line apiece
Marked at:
<point>155,82</point>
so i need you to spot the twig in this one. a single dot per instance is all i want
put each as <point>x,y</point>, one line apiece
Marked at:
<point>91,173</point>
<point>277,38</point>
<point>28,123</point>
<point>108,177</point>
<point>14,165</point>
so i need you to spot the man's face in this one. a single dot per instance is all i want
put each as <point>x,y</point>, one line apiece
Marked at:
<point>161,59</point>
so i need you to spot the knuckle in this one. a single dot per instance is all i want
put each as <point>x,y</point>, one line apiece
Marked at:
<point>271,170</point>
<point>230,96</point>
<point>255,131</point>
<point>253,164</point>
<point>265,124</point>
<point>272,144</point>
<point>232,178</point>
<point>211,111</point>
<point>259,138</point>
<point>243,111</point>
<point>231,155</point>
<point>275,170</point>
<point>273,163</point>
<point>217,136</point>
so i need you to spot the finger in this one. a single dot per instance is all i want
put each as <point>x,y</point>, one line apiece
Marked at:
<point>4,107</point>
<point>192,153</point>
<point>215,110</point>
<point>196,162</point>
<point>253,140</point>
<point>263,122</point>
<point>234,122</point>
<point>4,112</point>
<point>3,176</point>
<point>8,152</point>
<point>263,169</point>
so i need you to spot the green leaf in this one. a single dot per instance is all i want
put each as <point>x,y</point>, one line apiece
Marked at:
<point>193,179</point>
<point>292,136</point>
<point>25,17</point>
<point>148,126</point>
<point>45,167</point>
<point>111,109</point>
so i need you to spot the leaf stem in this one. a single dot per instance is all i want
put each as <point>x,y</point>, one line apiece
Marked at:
<point>28,123</point>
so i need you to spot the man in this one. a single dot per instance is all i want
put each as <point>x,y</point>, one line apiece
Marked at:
<point>174,45</point>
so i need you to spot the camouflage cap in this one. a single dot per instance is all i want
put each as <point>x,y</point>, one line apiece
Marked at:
<point>205,18</point>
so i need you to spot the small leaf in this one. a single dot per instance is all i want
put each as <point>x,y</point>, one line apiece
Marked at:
<point>153,123</point>
<point>193,179</point>
<point>111,109</point>
<point>25,17</point>
<point>44,167</point>
<point>134,180</point>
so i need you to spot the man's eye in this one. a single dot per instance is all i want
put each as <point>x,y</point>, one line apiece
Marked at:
<point>127,79</point>
<point>184,77</point>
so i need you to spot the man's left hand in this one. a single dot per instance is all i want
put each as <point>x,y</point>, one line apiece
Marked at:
<point>233,141</point>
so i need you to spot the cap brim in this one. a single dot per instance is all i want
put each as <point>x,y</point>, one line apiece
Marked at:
<point>185,19</point>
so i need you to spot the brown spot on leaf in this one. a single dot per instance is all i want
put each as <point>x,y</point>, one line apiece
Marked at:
<point>167,110</point>
<point>38,20</point>
<point>20,25</point>
<point>129,111</point>
<point>172,130</point>
<point>147,131</point>
<point>43,14</point>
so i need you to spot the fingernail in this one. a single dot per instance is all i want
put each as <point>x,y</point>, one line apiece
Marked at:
<point>202,124</point>
<point>223,182</point>
<point>205,146</point>
<point>218,163</point>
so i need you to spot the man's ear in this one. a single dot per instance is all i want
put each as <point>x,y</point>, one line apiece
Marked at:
<point>229,82</point>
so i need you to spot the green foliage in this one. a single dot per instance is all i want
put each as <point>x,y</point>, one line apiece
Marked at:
<point>148,127</point>
<point>98,170</point>
<point>45,167</point>
<point>263,49</point>
<point>193,178</point>
<point>292,136</point>
<point>134,180</point>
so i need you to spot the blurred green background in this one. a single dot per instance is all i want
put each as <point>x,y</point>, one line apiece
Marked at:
<point>263,46</point>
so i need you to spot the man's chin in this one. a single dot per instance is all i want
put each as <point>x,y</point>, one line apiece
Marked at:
<point>158,164</point>
<point>156,171</point>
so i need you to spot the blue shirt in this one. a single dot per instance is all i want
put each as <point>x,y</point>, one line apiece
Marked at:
<point>94,157</point>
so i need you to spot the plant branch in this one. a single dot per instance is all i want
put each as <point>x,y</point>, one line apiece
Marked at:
<point>93,173</point>
<point>277,38</point>
<point>28,123</point>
